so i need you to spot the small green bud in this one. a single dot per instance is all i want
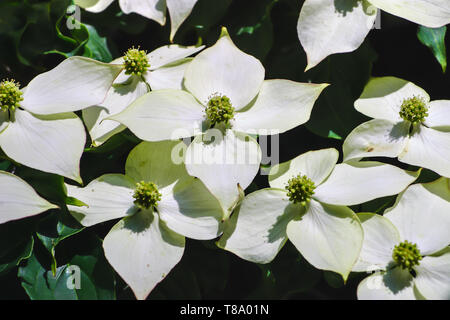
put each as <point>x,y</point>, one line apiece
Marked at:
<point>136,62</point>
<point>414,110</point>
<point>406,255</point>
<point>300,189</point>
<point>10,95</point>
<point>219,110</point>
<point>146,195</point>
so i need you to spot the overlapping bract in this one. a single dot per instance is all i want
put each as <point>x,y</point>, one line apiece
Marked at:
<point>225,157</point>
<point>326,232</point>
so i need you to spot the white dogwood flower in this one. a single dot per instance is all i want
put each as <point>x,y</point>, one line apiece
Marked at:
<point>162,68</point>
<point>159,204</point>
<point>326,27</point>
<point>406,125</point>
<point>306,203</point>
<point>155,10</point>
<point>408,246</point>
<point>227,98</point>
<point>18,199</point>
<point>37,127</point>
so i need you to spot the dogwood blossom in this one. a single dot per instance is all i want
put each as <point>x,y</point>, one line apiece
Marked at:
<point>326,27</point>
<point>162,68</point>
<point>227,99</point>
<point>406,125</point>
<point>152,9</point>
<point>408,246</point>
<point>37,127</point>
<point>306,203</point>
<point>18,199</point>
<point>159,204</point>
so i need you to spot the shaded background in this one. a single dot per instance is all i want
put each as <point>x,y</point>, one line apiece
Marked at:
<point>263,28</point>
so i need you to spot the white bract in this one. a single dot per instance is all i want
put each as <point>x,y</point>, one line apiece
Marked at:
<point>18,199</point>
<point>37,127</point>
<point>159,204</point>
<point>162,68</point>
<point>406,125</point>
<point>227,99</point>
<point>306,202</point>
<point>326,27</point>
<point>155,10</point>
<point>408,246</point>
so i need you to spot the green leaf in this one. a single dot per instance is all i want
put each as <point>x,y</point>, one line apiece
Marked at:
<point>96,278</point>
<point>75,202</point>
<point>52,230</point>
<point>84,39</point>
<point>40,284</point>
<point>434,38</point>
<point>333,135</point>
<point>16,243</point>
<point>97,45</point>
<point>17,253</point>
<point>22,24</point>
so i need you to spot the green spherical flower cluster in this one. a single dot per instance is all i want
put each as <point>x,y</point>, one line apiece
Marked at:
<point>10,95</point>
<point>219,110</point>
<point>136,62</point>
<point>414,110</point>
<point>406,255</point>
<point>300,189</point>
<point>146,195</point>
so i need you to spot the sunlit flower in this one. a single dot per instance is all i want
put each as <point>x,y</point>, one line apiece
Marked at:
<point>408,246</point>
<point>159,204</point>
<point>406,125</point>
<point>306,203</point>
<point>37,127</point>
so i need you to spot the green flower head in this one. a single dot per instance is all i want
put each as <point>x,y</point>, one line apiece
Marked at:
<point>300,189</point>
<point>136,62</point>
<point>146,195</point>
<point>414,110</point>
<point>219,110</point>
<point>10,95</point>
<point>406,255</point>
